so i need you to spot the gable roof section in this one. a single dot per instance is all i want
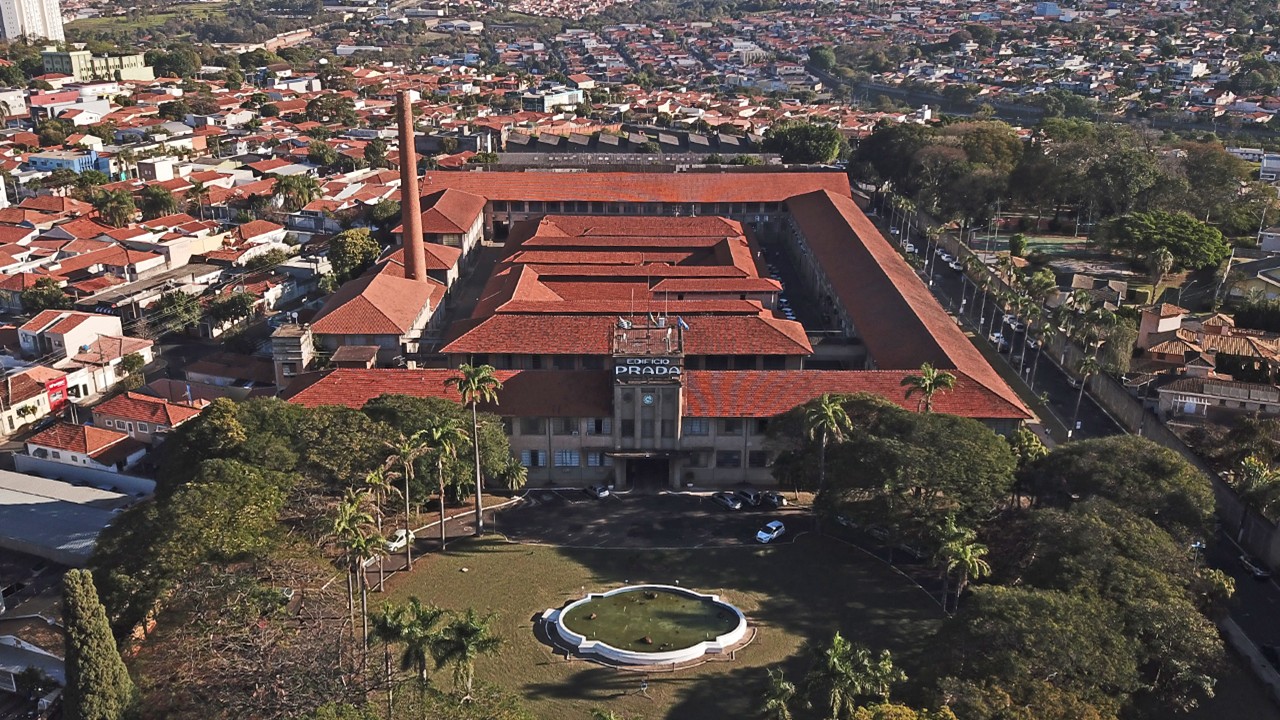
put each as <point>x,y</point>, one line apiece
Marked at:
<point>375,304</point>
<point>145,408</point>
<point>83,439</point>
<point>892,310</point>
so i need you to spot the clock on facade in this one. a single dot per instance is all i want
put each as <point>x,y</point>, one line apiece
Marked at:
<point>647,399</point>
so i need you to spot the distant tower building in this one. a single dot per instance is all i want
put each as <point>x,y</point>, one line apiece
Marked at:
<point>32,19</point>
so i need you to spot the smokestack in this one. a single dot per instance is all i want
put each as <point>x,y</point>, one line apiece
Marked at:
<point>415,253</point>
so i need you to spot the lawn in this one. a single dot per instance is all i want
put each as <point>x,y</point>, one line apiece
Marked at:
<point>199,11</point>
<point>791,593</point>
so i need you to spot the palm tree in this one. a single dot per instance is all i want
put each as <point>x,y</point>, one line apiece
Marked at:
<point>443,438</point>
<point>349,528</point>
<point>405,453</point>
<point>296,191</point>
<point>1160,263</point>
<point>964,555</point>
<point>1030,314</point>
<point>413,627</point>
<point>476,385</point>
<point>198,193</point>
<point>1045,335</point>
<point>777,699</point>
<point>363,548</point>
<point>845,673</point>
<point>928,382</point>
<point>1089,366</point>
<point>381,483</point>
<point>826,420</point>
<point>462,641</point>
<point>514,473</point>
<point>115,207</point>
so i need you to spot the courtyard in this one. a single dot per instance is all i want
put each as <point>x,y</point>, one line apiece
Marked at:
<point>793,593</point>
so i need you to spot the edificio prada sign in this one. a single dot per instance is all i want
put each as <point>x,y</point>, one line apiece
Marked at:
<point>647,367</point>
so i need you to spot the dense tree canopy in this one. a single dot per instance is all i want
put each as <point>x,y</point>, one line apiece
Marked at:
<point>1192,243</point>
<point>804,143</point>
<point>351,252</point>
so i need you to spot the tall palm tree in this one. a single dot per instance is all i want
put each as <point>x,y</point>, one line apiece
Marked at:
<point>1089,366</point>
<point>927,383</point>
<point>295,191</point>
<point>1045,334</point>
<point>363,548</point>
<point>443,438</point>
<point>477,384</point>
<point>350,523</point>
<point>199,193</point>
<point>965,556</point>
<point>1030,314</point>
<point>412,626</point>
<point>381,483</point>
<point>777,699</point>
<point>825,421</point>
<point>1160,262</point>
<point>405,452</point>
<point>460,642</point>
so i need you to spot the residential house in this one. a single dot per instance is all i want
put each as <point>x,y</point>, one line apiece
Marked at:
<point>144,417</point>
<point>64,333</point>
<point>87,446</point>
<point>29,394</point>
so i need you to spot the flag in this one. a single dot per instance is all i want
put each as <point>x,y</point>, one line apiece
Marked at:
<point>680,321</point>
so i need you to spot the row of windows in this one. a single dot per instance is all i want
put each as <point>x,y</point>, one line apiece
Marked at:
<point>565,458</point>
<point>724,459</point>
<point>126,426</point>
<point>667,428</point>
<point>597,362</point>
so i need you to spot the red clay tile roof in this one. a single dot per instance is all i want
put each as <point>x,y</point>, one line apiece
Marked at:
<point>891,309</point>
<point>253,229</point>
<point>525,393</point>
<point>756,393</point>
<point>637,187</point>
<point>449,212</point>
<point>83,439</point>
<point>145,408</point>
<point>376,304</point>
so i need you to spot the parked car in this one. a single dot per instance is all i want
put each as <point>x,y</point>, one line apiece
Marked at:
<point>878,532</point>
<point>1017,326</point>
<point>749,497</point>
<point>998,340</point>
<point>399,540</point>
<point>1032,343</point>
<point>946,257</point>
<point>846,521</point>
<point>912,552</point>
<point>956,265</point>
<point>728,500</point>
<point>770,532</point>
<point>597,491</point>
<point>909,247</point>
<point>773,499</point>
<point>1255,567</point>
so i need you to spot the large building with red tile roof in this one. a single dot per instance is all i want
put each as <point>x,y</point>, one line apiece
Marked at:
<point>641,339</point>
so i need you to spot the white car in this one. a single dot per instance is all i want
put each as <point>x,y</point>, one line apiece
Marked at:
<point>771,532</point>
<point>946,257</point>
<point>399,540</point>
<point>598,492</point>
<point>956,265</point>
<point>1017,326</point>
<point>908,247</point>
<point>998,340</point>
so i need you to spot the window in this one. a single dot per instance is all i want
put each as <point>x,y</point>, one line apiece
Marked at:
<point>697,426</point>
<point>129,426</point>
<point>698,459</point>
<point>57,455</point>
<point>775,362</point>
<point>731,426</point>
<point>744,362</point>
<point>565,426</point>
<point>758,459</point>
<point>562,362</point>
<point>598,458</point>
<point>508,426</point>
<point>109,423</point>
<point>599,426</point>
<point>532,426</point>
<point>760,426</point>
<point>668,428</point>
<point>289,369</point>
<point>535,362</point>
<point>75,459</point>
<point>143,427</point>
<point>716,362</point>
<point>568,458</point>
<point>628,428</point>
<point>729,459</point>
<point>533,458</point>
<point>592,362</point>
<point>646,428</point>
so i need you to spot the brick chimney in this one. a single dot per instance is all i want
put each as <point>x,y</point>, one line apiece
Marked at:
<point>415,253</point>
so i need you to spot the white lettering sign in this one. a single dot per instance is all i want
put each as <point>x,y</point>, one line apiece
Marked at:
<point>655,370</point>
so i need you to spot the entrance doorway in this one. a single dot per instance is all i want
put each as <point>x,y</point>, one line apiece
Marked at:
<point>648,474</point>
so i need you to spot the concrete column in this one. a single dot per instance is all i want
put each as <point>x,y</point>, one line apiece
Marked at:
<point>415,254</point>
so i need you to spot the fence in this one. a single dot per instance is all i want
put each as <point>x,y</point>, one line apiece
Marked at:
<point>93,476</point>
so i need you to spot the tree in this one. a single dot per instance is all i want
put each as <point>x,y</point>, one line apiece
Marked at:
<point>477,384</point>
<point>350,531</point>
<point>198,195</point>
<point>98,686</point>
<point>843,674</point>
<point>825,421</point>
<point>777,699</point>
<point>44,295</point>
<point>176,311</point>
<point>385,213</point>
<point>318,153</point>
<point>928,383</point>
<point>1089,366</point>
<point>405,452</point>
<point>804,143</point>
<point>460,642</point>
<point>233,307</point>
<point>375,153</point>
<point>130,367</point>
<point>961,554</point>
<point>443,439</point>
<point>822,57</point>
<point>1018,245</point>
<point>1159,262</point>
<point>1192,243</point>
<point>267,260</point>
<point>413,626</point>
<point>296,191</point>
<point>115,207</point>
<point>351,252</point>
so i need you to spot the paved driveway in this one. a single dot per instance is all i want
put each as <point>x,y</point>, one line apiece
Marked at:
<point>572,518</point>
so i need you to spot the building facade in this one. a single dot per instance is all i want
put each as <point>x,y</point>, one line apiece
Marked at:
<point>32,20</point>
<point>84,65</point>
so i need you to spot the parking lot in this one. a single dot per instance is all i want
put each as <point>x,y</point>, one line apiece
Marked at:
<point>676,520</point>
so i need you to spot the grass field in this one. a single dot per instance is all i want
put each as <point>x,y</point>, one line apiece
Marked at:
<point>200,11</point>
<point>791,593</point>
